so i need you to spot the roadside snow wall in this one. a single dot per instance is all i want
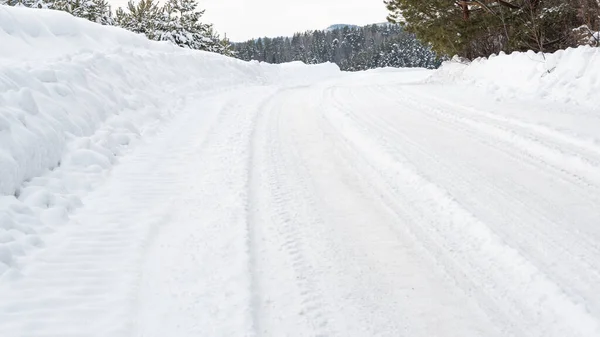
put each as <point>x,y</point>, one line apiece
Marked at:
<point>74,94</point>
<point>63,78</point>
<point>571,75</point>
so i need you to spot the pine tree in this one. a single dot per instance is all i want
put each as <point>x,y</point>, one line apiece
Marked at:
<point>101,12</point>
<point>98,11</point>
<point>181,25</point>
<point>473,28</point>
<point>143,17</point>
<point>225,47</point>
<point>26,3</point>
<point>178,21</point>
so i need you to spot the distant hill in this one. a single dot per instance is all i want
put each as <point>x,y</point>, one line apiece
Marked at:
<point>342,25</point>
<point>339,26</point>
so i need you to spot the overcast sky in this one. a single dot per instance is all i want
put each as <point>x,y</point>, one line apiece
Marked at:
<point>245,19</point>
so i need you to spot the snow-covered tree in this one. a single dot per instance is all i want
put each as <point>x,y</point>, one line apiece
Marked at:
<point>181,25</point>
<point>143,17</point>
<point>178,21</point>
<point>98,11</point>
<point>25,3</point>
<point>352,48</point>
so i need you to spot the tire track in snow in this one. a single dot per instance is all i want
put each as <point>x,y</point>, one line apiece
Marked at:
<point>437,208</point>
<point>253,221</point>
<point>586,190</point>
<point>294,220</point>
<point>574,159</point>
<point>287,300</point>
<point>366,268</point>
<point>209,252</point>
<point>585,150</point>
<point>92,281</point>
<point>577,246</point>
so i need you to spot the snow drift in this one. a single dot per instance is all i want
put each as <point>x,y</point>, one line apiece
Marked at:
<point>571,76</point>
<point>73,94</point>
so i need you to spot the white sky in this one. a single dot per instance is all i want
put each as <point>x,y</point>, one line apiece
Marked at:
<point>245,19</point>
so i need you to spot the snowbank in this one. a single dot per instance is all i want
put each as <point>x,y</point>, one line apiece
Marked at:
<point>45,34</point>
<point>73,94</point>
<point>571,75</point>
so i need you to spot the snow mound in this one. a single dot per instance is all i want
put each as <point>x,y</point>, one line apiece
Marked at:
<point>74,94</point>
<point>571,76</point>
<point>45,34</point>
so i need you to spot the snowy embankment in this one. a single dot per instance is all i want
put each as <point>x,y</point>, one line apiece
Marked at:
<point>195,195</point>
<point>568,76</point>
<point>74,95</point>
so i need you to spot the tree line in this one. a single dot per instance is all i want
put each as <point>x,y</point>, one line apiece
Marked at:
<point>177,21</point>
<point>352,48</point>
<point>483,27</point>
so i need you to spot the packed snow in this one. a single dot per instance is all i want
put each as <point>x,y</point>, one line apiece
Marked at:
<point>75,94</point>
<point>149,190</point>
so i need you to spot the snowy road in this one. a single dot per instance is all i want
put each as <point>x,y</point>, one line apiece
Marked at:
<point>367,205</point>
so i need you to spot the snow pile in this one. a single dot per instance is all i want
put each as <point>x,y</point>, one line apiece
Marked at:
<point>44,34</point>
<point>297,73</point>
<point>74,94</point>
<point>571,75</point>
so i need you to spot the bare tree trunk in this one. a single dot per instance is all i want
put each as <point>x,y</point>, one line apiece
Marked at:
<point>465,9</point>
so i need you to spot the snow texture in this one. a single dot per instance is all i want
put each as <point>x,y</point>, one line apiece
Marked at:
<point>568,76</point>
<point>74,95</point>
<point>149,190</point>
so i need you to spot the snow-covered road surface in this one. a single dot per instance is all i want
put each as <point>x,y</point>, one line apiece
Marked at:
<point>372,204</point>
